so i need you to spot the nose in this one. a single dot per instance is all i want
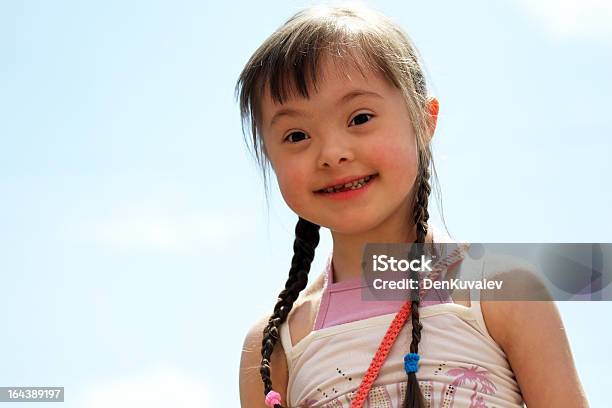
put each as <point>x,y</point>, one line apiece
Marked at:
<point>334,152</point>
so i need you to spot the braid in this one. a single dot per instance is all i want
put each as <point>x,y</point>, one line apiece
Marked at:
<point>414,397</point>
<point>306,241</point>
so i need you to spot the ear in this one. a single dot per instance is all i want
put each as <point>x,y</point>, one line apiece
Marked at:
<point>433,107</point>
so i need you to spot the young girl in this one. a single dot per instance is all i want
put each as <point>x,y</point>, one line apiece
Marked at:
<point>337,103</point>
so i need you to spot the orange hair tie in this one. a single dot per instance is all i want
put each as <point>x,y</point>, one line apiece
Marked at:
<point>434,108</point>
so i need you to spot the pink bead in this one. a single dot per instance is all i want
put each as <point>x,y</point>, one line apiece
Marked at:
<point>273,398</point>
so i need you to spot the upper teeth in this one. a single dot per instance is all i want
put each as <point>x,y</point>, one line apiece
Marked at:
<point>352,185</point>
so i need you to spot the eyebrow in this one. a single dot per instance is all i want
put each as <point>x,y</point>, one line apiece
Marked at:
<point>344,99</point>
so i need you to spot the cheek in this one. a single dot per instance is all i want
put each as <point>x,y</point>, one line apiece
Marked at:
<point>397,159</point>
<point>293,185</point>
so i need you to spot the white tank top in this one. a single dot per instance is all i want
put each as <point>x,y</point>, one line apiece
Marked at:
<point>461,365</point>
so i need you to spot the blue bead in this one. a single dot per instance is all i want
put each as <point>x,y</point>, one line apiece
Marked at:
<point>411,361</point>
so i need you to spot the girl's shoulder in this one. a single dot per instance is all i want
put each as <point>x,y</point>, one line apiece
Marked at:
<point>300,320</point>
<point>314,289</point>
<point>520,285</point>
<point>525,321</point>
<point>251,385</point>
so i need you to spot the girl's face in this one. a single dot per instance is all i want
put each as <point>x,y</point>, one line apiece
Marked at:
<point>349,129</point>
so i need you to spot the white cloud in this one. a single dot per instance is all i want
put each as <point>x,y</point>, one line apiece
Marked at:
<point>582,19</point>
<point>157,388</point>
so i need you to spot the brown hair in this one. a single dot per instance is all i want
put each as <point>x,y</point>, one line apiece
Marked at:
<point>287,62</point>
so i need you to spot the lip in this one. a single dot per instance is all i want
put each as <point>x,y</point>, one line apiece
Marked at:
<point>349,194</point>
<point>345,180</point>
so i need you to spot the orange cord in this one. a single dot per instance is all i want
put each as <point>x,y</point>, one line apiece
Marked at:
<point>381,355</point>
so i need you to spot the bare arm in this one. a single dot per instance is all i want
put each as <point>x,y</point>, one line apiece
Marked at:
<point>251,385</point>
<point>534,339</point>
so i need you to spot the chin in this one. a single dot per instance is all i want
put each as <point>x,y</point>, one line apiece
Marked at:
<point>352,226</point>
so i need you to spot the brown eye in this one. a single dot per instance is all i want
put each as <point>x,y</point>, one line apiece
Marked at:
<point>295,134</point>
<point>362,118</point>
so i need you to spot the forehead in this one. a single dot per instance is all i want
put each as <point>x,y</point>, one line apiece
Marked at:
<point>334,77</point>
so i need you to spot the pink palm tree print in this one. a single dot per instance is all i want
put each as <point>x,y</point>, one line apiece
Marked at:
<point>468,376</point>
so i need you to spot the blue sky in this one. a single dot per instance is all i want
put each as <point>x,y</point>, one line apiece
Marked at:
<point>136,245</point>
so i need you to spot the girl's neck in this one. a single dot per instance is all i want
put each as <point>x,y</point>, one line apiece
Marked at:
<point>348,251</point>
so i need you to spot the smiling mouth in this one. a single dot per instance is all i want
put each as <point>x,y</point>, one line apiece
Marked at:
<point>354,185</point>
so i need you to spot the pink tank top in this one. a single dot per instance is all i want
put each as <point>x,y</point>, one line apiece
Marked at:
<point>342,302</point>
